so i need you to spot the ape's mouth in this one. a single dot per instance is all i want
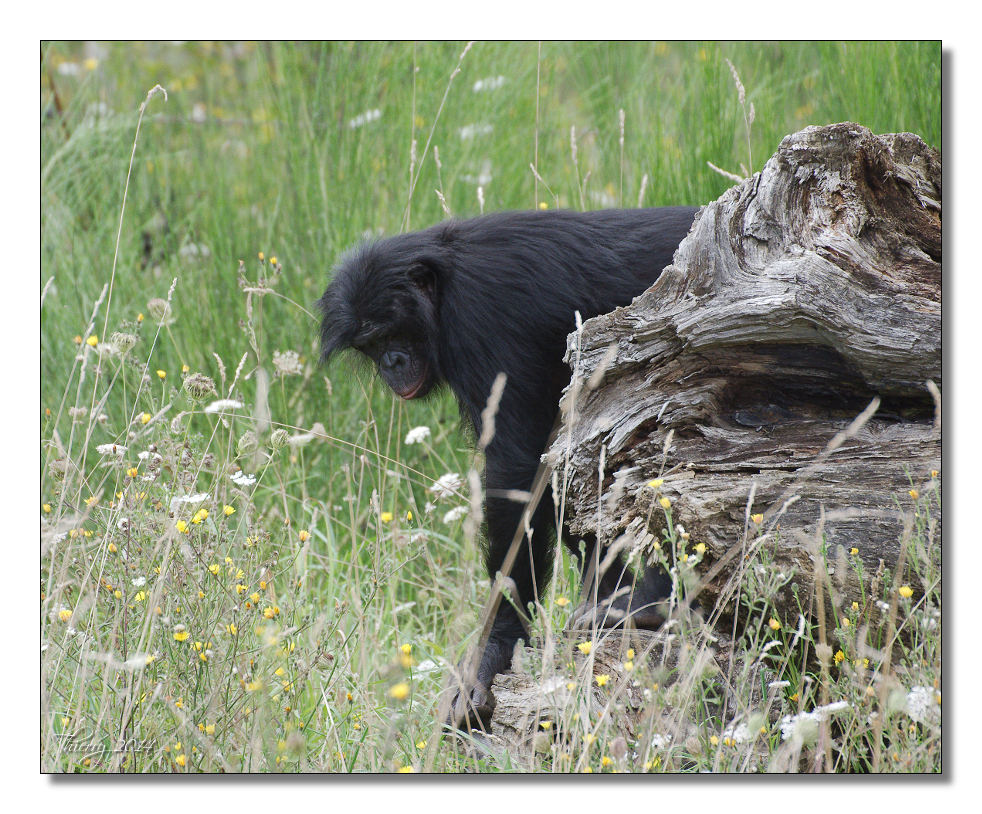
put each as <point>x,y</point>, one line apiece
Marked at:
<point>420,389</point>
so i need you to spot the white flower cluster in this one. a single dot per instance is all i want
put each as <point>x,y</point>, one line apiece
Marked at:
<point>739,733</point>
<point>469,131</point>
<point>364,118</point>
<point>446,485</point>
<point>489,83</point>
<point>804,725</point>
<point>240,478</point>
<point>417,435</point>
<point>922,704</point>
<point>454,515</point>
<point>287,363</point>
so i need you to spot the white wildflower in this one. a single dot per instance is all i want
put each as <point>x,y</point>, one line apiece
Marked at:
<point>224,406</point>
<point>805,726</point>
<point>139,582</point>
<point>489,83</point>
<point>661,741</point>
<point>454,515</point>
<point>417,434</point>
<point>177,501</point>
<point>287,363</point>
<point>469,131</point>
<point>922,704</point>
<point>116,450</point>
<point>447,485</point>
<point>739,732</point>
<point>364,118</point>
<point>240,478</point>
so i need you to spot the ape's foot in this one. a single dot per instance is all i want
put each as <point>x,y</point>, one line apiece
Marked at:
<point>616,611</point>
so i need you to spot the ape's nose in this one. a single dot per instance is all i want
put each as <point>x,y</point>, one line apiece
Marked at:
<point>394,361</point>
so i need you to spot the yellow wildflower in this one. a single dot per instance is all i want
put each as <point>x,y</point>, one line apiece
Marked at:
<point>906,591</point>
<point>400,691</point>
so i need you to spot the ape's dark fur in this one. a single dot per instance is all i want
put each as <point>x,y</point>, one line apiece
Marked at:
<point>462,301</point>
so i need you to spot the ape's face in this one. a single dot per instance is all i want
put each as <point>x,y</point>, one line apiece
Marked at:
<point>401,362</point>
<point>384,306</point>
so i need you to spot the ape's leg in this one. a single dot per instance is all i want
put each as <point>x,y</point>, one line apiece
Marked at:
<point>529,575</point>
<point>620,594</point>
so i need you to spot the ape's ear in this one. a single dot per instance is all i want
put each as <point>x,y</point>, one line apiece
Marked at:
<point>425,275</point>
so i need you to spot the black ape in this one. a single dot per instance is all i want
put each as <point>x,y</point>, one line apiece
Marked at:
<point>463,301</point>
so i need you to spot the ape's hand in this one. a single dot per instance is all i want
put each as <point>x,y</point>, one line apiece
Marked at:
<point>472,708</point>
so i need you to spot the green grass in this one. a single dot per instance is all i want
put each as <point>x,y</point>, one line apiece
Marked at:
<point>299,606</point>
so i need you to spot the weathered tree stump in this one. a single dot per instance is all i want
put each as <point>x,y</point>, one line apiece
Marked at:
<point>800,298</point>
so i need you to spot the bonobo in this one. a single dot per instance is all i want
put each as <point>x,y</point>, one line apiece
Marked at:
<point>457,304</point>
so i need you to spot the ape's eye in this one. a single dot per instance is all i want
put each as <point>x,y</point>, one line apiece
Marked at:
<point>424,279</point>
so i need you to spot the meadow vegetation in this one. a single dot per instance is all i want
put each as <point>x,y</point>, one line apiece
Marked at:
<point>251,563</point>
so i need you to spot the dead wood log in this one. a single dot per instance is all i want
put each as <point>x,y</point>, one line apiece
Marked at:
<point>551,697</point>
<point>800,298</point>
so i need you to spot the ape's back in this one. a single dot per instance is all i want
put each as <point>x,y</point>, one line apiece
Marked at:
<point>516,280</point>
